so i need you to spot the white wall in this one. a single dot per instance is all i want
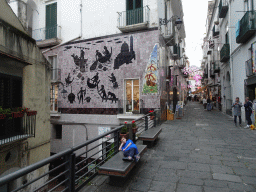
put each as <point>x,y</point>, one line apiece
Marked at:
<point>99,17</point>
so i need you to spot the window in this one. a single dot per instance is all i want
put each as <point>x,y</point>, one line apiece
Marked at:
<point>227,38</point>
<point>132,95</point>
<point>51,21</point>
<point>10,91</point>
<point>54,98</point>
<point>53,61</point>
<point>58,131</point>
<point>134,11</point>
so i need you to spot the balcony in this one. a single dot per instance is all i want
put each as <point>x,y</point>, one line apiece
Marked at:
<point>176,52</point>
<point>212,74</point>
<point>17,126</point>
<point>215,31</point>
<point>169,33</point>
<point>56,75</point>
<point>133,20</point>
<point>246,27</point>
<point>223,8</point>
<point>209,52</point>
<point>225,53</point>
<point>46,37</point>
<point>248,68</point>
<point>216,67</point>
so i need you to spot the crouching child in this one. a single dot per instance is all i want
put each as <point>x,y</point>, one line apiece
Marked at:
<point>129,149</point>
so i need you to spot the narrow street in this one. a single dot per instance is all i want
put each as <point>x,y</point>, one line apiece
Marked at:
<point>203,151</point>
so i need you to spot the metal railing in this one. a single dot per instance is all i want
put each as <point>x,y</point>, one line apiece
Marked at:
<point>47,33</point>
<point>215,31</point>
<point>56,74</point>
<point>223,8</point>
<point>78,164</point>
<point>131,17</point>
<point>225,53</point>
<point>248,68</point>
<point>133,106</point>
<point>17,126</point>
<point>246,25</point>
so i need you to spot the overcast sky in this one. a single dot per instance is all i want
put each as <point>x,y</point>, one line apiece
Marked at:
<point>195,13</point>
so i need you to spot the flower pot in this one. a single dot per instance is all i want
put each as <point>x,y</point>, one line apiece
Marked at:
<point>126,135</point>
<point>152,117</point>
<point>134,130</point>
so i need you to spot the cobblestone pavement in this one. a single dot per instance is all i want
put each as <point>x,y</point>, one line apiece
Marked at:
<point>203,151</point>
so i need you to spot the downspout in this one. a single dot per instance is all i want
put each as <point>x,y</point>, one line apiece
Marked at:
<point>230,52</point>
<point>81,9</point>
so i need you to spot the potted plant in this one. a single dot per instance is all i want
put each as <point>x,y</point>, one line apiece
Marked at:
<point>19,112</point>
<point>151,114</point>
<point>5,113</point>
<point>134,127</point>
<point>124,131</point>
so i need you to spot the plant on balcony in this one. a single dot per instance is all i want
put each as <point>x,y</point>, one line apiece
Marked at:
<point>151,114</point>
<point>15,112</point>
<point>134,127</point>
<point>124,131</point>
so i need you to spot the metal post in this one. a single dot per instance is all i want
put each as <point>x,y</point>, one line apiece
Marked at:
<point>116,141</point>
<point>71,173</point>
<point>155,119</point>
<point>146,123</point>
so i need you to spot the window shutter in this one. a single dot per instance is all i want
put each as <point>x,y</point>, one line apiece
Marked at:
<point>51,21</point>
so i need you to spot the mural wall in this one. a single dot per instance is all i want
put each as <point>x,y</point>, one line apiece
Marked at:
<point>93,71</point>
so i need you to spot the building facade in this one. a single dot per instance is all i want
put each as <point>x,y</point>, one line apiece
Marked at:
<point>108,68</point>
<point>232,26</point>
<point>24,83</point>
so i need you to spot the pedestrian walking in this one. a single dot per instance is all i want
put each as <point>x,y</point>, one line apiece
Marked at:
<point>248,112</point>
<point>237,111</point>
<point>209,107</point>
<point>204,103</point>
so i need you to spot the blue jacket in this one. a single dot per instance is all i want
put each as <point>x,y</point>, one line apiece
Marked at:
<point>131,146</point>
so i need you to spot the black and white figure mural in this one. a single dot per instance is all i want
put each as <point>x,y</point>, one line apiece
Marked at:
<point>126,55</point>
<point>94,70</point>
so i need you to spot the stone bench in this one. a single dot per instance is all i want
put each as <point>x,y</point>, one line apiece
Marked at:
<point>149,136</point>
<point>117,167</point>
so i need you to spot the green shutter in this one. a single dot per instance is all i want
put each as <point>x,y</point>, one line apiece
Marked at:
<point>134,12</point>
<point>51,21</point>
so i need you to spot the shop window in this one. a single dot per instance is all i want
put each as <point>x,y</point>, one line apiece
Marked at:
<point>132,95</point>
<point>54,98</point>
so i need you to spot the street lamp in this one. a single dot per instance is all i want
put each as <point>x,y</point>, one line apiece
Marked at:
<point>178,22</point>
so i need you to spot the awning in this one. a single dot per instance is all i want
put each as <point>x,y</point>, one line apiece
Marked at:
<point>199,90</point>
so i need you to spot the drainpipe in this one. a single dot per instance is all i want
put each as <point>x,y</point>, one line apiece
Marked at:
<point>81,9</point>
<point>230,52</point>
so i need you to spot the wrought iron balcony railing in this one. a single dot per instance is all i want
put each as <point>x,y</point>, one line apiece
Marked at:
<point>223,8</point>
<point>216,66</point>
<point>47,33</point>
<point>133,17</point>
<point>56,75</point>
<point>17,126</point>
<point>249,68</point>
<point>75,167</point>
<point>215,31</point>
<point>246,27</point>
<point>225,53</point>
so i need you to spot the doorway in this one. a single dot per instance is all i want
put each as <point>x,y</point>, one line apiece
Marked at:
<point>132,96</point>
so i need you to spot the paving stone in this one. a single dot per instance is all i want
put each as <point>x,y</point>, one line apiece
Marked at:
<point>141,184</point>
<point>174,165</point>
<point>244,171</point>
<point>215,189</point>
<point>241,187</point>
<point>191,181</point>
<point>226,177</point>
<point>214,183</point>
<point>161,186</point>
<point>198,167</point>
<point>166,176</point>
<point>195,174</point>
<point>233,164</point>
<point>221,169</point>
<point>249,180</point>
<point>190,188</point>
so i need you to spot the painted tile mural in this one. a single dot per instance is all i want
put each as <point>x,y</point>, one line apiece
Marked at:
<point>150,81</point>
<point>93,71</point>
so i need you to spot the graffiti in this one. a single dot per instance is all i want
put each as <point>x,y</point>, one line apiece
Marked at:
<point>112,97</point>
<point>112,79</point>
<point>81,94</point>
<point>99,41</point>
<point>118,42</point>
<point>67,47</point>
<point>116,39</point>
<point>71,96</point>
<point>126,55</point>
<point>102,92</point>
<point>150,84</point>
<point>88,99</point>
<point>68,80</point>
<point>101,59</point>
